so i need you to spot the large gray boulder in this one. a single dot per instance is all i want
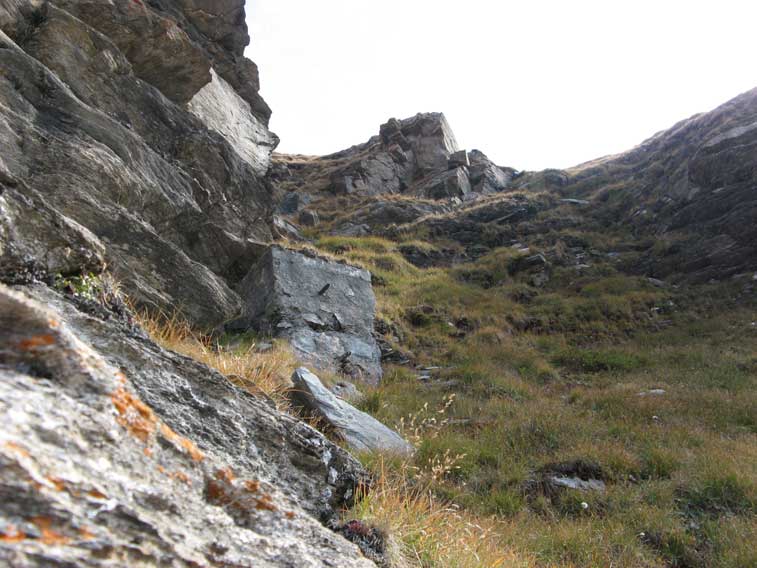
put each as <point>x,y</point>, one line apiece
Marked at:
<point>427,136</point>
<point>359,430</point>
<point>486,176</point>
<point>116,452</point>
<point>325,309</point>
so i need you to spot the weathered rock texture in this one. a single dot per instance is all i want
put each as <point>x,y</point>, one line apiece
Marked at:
<point>361,431</point>
<point>140,121</point>
<point>325,309</point>
<point>115,452</point>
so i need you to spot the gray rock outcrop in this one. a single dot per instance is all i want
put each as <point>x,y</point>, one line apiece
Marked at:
<point>116,452</point>
<point>127,119</point>
<point>325,309</point>
<point>359,430</point>
<point>410,156</point>
<point>486,176</point>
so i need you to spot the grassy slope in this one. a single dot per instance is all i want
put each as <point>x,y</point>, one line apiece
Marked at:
<point>533,378</point>
<point>552,376</point>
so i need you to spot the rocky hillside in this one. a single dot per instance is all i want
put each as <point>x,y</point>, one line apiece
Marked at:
<point>139,190</point>
<point>690,188</point>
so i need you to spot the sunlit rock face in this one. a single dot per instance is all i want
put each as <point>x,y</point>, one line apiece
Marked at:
<point>224,111</point>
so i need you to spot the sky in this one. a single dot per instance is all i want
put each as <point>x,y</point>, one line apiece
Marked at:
<point>532,83</point>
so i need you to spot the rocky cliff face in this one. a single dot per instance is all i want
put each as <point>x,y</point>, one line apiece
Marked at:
<point>140,122</point>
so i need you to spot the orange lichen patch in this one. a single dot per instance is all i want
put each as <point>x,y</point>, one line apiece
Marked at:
<point>225,474</point>
<point>218,492</point>
<point>54,323</point>
<point>36,341</point>
<point>265,503</point>
<point>58,483</point>
<point>181,476</point>
<point>17,449</point>
<point>289,515</point>
<point>49,536</point>
<point>95,494</point>
<point>86,534</point>
<point>182,442</point>
<point>133,414</point>
<point>12,534</point>
<point>162,470</point>
<point>148,452</point>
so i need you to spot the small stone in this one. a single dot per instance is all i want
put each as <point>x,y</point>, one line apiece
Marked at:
<point>653,392</point>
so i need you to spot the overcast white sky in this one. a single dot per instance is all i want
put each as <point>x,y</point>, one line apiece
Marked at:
<point>532,83</point>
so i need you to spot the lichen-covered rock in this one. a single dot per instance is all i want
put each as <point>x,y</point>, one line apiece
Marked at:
<point>325,309</point>
<point>115,452</point>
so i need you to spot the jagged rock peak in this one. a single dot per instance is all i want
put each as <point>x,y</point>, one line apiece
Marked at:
<point>429,135</point>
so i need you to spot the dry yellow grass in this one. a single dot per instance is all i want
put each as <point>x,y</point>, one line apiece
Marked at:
<point>263,374</point>
<point>425,531</point>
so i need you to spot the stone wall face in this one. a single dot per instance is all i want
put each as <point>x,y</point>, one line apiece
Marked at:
<point>326,309</point>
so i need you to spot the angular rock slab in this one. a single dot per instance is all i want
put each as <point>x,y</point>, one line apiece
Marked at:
<point>114,452</point>
<point>361,431</point>
<point>223,110</point>
<point>325,309</point>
